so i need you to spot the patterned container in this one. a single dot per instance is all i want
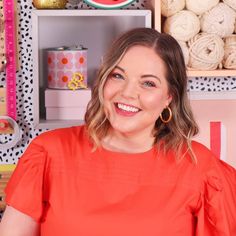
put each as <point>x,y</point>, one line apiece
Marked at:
<point>65,65</point>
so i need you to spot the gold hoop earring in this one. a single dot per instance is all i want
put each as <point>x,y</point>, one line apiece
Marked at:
<point>169,118</point>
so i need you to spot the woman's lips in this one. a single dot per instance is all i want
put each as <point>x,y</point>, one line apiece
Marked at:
<point>126,110</point>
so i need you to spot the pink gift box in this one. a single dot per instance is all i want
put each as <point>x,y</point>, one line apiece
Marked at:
<point>66,104</point>
<point>65,113</point>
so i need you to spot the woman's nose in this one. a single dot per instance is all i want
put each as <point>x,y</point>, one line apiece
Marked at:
<point>130,90</point>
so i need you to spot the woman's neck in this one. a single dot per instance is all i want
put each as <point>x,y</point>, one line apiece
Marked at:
<point>129,143</point>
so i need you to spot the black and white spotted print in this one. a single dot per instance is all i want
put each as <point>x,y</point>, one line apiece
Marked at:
<point>25,78</point>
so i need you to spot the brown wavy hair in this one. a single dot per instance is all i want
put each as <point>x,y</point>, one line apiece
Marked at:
<point>178,133</point>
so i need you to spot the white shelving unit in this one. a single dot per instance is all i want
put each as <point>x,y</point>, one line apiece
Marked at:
<point>94,29</point>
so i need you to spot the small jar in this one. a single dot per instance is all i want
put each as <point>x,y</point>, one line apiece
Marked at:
<point>49,4</point>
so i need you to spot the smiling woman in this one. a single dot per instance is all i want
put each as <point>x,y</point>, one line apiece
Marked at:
<point>132,169</point>
<point>141,70</point>
<point>135,94</point>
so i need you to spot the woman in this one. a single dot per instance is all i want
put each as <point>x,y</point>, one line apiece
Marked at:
<point>133,169</point>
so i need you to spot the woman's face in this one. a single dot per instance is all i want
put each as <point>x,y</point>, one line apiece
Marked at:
<point>136,92</point>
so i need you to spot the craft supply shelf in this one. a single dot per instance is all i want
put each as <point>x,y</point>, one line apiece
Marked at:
<point>94,29</point>
<point>156,6</point>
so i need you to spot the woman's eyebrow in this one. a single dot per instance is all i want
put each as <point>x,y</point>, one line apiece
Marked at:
<point>118,67</point>
<point>151,75</point>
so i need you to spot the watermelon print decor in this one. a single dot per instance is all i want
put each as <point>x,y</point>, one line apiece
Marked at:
<point>108,4</point>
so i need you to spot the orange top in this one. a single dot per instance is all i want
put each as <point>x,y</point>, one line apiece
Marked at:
<point>71,190</point>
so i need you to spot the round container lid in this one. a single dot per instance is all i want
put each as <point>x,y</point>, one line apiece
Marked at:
<point>108,4</point>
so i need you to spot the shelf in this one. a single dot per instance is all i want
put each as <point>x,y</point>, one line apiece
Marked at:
<point>211,73</point>
<point>94,29</point>
<point>53,124</point>
<point>216,95</point>
<point>156,7</point>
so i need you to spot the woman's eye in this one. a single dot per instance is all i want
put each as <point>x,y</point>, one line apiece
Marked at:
<point>117,76</point>
<point>149,84</point>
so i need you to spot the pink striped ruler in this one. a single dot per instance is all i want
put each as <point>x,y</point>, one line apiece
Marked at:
<point>9,16</point>
<point>2,39</point>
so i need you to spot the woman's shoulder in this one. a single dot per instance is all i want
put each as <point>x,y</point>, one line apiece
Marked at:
<point>211,167</point>
<point>60,134</point>
<point>204,156</point>
<point>60,139</point>
<point>218,193</point>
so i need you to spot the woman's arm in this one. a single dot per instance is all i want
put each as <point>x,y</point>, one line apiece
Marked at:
<point>15,223</point>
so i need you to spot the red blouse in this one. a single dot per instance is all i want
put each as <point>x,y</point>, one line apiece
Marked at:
<point>71,190</point>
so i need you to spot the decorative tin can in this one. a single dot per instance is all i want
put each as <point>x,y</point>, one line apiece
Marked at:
<point>49,4</point>
<point>67,67</point>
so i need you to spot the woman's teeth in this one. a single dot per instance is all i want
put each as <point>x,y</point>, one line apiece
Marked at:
<point>127,108</point>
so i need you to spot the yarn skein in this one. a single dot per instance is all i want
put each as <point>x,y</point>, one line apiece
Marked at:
<point>231,3</point>
<point>219,20</point>
<point>206,52</point>
<point>183,25</point>
<point>229,61</point>
<point>169,8</point>
<point>200,6</point>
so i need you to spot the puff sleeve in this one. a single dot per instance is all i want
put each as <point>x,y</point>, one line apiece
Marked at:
<point>216,215</point>
<point>25,189</point>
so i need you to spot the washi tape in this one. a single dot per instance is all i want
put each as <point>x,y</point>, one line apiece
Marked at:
<point>3,99</point>
<point>16,136</point>
<point>8,6</point>
<point>3,125</point>
<point>6,168</point>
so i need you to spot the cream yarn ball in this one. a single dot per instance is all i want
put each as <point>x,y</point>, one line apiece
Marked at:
<point>170,7</point>
<point>206,52</point>
<point>229,61</point>
<point>182,26</point>
<point>185,51</point>
<point>231,3</point>
<point>200,6</point>
<point>219,20</point>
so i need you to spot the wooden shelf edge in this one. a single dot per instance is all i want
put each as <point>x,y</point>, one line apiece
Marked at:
<point>211,73</point>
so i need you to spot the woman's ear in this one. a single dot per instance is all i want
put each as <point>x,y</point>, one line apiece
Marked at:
<point>169,99</point>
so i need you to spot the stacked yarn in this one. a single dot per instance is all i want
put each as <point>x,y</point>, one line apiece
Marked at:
<point>169,8</point>
<point>183,25</point>
<point>205,30</point>
<point>200,6</point>
<point>206,51</point>
<point>229,60</point>
<point>219,20</point>
<point>231,3</point>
